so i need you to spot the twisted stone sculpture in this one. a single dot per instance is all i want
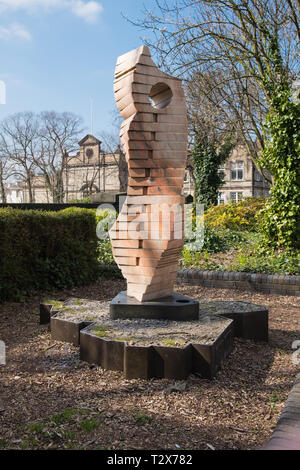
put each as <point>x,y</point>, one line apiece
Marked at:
<point>148,235</point>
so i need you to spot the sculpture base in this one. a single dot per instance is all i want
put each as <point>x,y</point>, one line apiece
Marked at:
<point>176,307</point>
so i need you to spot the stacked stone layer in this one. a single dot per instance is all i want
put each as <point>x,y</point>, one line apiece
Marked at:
<point>148,235</point>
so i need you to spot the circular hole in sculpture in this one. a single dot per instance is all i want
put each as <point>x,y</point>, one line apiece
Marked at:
<point>160,95</point>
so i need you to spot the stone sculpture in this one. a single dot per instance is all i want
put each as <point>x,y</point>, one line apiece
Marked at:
<point>148,235</point>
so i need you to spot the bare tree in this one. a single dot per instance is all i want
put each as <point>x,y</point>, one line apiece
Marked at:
<point>234,51</point>
<point>7,171</point>
<point>58,137</point>
<point>112,145</point>
<point>18,144</point>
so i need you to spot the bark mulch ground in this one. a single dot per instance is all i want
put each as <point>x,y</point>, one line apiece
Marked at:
<point>49,399</point>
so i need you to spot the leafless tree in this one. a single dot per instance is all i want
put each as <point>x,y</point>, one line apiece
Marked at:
<point>7,171</point>
<point>18,143</point>
<point>112,145</point>
<point>225,49</point>
<point>58,137</point>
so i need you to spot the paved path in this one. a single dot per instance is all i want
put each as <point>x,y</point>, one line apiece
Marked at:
<point>286,435</point>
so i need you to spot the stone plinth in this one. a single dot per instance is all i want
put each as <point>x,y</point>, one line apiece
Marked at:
<point>175,307</point>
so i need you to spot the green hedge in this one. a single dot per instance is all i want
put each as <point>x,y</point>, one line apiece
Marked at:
<point>45,250</point>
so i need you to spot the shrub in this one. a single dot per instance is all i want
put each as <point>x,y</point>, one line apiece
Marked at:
<point>196,259</point>
<point>276,263</point>
<point>235,216</point>
<point>43,250</point>
<point>214,241</point>
<point>105,255</point>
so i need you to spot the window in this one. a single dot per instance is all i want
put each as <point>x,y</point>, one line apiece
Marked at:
<point>237,170</point>
<point>222,172</point>
<point>257,175</point>
<point>221,198</point>
<point>89,153</point>
<point>235,197</point>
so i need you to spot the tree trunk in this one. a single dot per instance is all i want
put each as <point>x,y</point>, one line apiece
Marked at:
<point>123,173</point>
<point>2,190</point>
<point>29,186</point>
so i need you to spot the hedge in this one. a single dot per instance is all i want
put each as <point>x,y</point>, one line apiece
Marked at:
<point>26,206</point>
<point>45,250</point>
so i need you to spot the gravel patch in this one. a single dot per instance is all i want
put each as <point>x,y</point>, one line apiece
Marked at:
<point>142,332</point>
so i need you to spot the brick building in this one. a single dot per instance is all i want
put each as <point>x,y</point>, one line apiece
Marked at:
<point>241,178</point>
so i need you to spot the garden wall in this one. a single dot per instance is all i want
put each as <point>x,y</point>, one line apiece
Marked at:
<point>269,284</point>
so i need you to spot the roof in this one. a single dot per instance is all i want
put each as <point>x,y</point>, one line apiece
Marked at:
<point>91,138</point>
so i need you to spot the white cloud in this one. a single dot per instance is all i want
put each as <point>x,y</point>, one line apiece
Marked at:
<point>15,30</point>
<point>28,4</point>
<point>89,10</point>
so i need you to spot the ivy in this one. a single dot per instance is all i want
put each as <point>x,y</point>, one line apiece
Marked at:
<point>281,156</point>
<point>207,160</point>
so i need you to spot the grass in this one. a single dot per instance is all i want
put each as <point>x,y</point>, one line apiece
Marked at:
<point>123,338</point>
<point>89,425</point>
<point>100,331</point>
<point>276,397</point>
<point>55,303</point>
<point>169,342</point>
<point>101,334</point>
<point>66,424</point>
<point>28,442</point>
<point>36,427</point>
<point>68,434</point>
<point>142,418</point>
<point>83,411</point>
<point>68,310</point>
<point>62,417</point>
<point>3,444</point>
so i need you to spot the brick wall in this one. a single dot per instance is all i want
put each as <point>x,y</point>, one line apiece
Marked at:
<point>267,283</point>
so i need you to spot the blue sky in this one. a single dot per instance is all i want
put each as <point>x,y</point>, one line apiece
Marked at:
<point>60,54</point>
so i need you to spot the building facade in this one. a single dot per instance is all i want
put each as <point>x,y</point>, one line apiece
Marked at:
<point>90,171</point>
<point>14,192</point>
<point>93,171</point>
<point>241,178</point>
